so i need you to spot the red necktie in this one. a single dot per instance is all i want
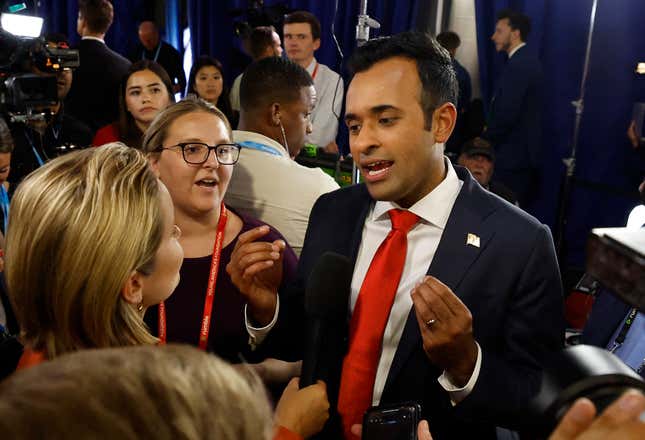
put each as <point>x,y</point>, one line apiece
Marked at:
<point>368,321</point>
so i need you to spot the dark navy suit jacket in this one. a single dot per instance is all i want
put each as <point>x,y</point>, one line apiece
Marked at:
<point>510,283</point>
<point>94,96</point>
<point>515,116</point>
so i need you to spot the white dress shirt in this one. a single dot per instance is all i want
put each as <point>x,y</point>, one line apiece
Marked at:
<point>423,240</point>
<point>268,185</point>
<point>515,49</point>
<point>89,37</point>
<point>329,102</point>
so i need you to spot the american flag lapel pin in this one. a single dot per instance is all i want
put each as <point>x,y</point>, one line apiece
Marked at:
<point>472,240</point>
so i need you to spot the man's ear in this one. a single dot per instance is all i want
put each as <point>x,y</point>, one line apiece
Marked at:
<point>316,44</point>
<point>274,116</point>
<point>443,121</point>
<point>132,291</point>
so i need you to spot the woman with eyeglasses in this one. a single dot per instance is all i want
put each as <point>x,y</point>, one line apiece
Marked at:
<point>189,146</point>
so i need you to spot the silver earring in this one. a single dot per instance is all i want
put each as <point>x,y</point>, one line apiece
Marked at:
<point>140,306</point>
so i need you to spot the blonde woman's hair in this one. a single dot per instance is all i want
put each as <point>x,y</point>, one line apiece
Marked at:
<point>157,132</point>
<point>79,227</point>
<point>147,392</point>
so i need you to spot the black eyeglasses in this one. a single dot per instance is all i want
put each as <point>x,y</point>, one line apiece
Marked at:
<point>196,153</point>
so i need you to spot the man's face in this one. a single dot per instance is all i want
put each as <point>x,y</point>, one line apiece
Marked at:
<point>503,35</point>
<point>399,159</point>
<point>299,42</point>
<point>480,166</point>
<point>148,35</point>
<point>296,119</point>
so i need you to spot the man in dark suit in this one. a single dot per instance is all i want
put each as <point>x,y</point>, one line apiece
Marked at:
<point>94,96</point>
<point>477,302</point>
<point>153,48</point>
<point>514,120</point>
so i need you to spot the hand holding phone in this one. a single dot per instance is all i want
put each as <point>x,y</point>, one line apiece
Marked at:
<point>392,422</point>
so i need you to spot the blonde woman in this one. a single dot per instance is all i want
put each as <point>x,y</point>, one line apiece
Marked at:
<point>92,244</point>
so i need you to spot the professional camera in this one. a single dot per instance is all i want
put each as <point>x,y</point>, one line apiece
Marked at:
<point>27,72</point>
<point>616,258</point>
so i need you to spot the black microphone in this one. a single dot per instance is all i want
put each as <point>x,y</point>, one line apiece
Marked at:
<point>326,305</point>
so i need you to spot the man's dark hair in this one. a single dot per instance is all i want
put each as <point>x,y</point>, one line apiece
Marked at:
<point>516,21</point>
<point>261,37</point>
<point>98,14</point>
<point>305,17</point>
<point>434,66</point>
<point>450,40</point>
<point>271,80</point>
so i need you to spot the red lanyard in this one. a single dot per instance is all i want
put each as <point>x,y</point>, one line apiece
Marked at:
<point>210,291</point>
<point>313,75</point>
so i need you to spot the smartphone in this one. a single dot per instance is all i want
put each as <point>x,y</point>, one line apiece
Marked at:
<point>396,422</point>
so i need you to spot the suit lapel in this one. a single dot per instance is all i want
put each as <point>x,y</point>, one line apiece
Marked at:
<point>453,257</point>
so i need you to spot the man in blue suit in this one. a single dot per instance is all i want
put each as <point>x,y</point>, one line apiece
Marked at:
<point>478,303</point>
<point>514,120</point>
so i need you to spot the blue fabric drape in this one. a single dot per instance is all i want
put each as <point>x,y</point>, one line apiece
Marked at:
<point>608,170</point>
<point>173,32</point>
<point>60,16</point>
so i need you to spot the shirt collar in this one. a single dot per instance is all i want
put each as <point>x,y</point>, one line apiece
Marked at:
<point>434,207</point>
<point>312,66</point>
<point>244,136</point>
<point>518,47</point>
<point>93,38</point>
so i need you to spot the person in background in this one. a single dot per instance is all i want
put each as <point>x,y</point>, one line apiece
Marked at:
<point>277,98</point>
<point>6,149</point>
<point>514,123</point>
<point>478,156</point>
<point>206,80</point>
<point>93,98</point>
<point>153,48</point>
<point>301,31</point>
<point>7,319</point>
<point>37,141</point>
<point>451,42</point>
<point>145,91</point>
<point>263,42</point>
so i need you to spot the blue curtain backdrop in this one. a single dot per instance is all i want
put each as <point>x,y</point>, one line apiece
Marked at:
<point>608,169</point>
<point>60,16</point>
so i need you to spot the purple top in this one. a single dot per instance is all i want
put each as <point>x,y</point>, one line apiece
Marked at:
<point>185,307</point>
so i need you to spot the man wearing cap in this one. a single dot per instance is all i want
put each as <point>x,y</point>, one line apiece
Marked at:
<point>479,158</point>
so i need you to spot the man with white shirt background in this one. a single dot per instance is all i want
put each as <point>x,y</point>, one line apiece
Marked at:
<point>276,97</point>
<point>301,34</point>
<point>94,95</point>
<point>456,298</point>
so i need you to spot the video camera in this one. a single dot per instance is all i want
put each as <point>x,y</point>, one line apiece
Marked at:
<point>27,67</point>
<point>616,258</point>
